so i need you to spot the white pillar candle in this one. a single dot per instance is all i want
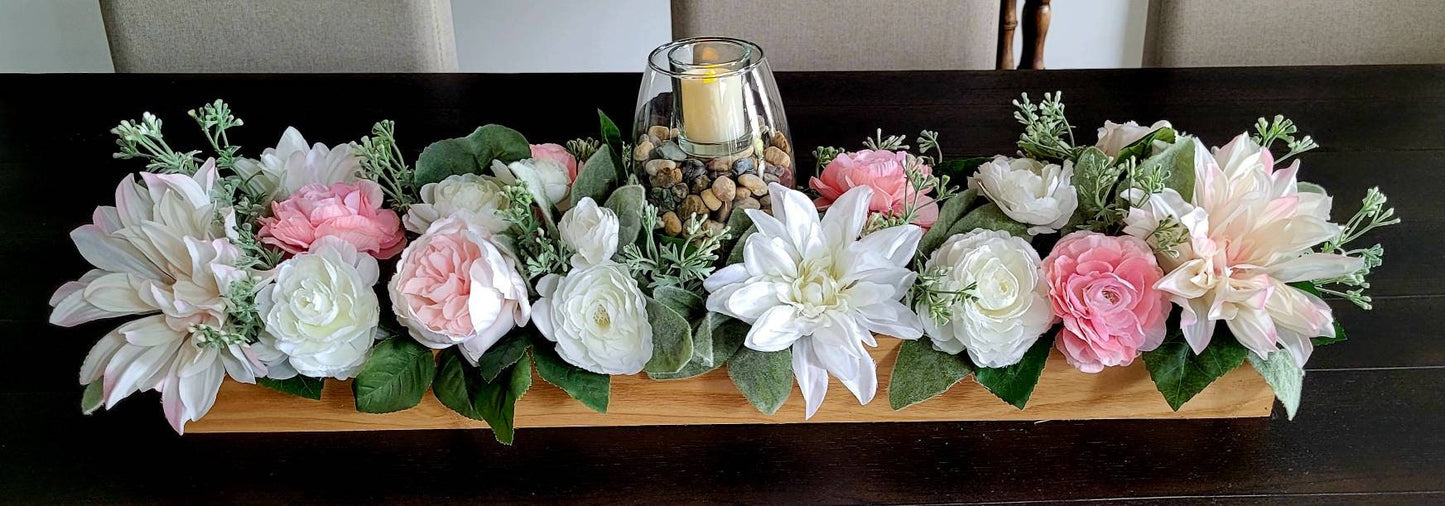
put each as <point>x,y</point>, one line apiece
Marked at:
<point>712,106</point>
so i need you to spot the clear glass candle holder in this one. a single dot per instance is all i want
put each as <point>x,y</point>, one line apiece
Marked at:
<point>710,130</point>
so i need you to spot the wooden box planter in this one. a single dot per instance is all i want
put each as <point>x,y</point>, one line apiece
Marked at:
<point>1063,393</point>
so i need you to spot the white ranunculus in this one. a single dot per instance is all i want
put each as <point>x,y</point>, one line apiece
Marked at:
<point>546,180</point>
<point>1029,191</point>
<point>1115,136</point>
<point>321,312</point>
<point>284,169</point>
<point>814,285</point>
<point>478,196</point>
<point>1009,306</point>
<point>597,316</point>
<point>591,231</point>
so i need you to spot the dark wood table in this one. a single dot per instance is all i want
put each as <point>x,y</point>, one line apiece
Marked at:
<point>1370,428</point>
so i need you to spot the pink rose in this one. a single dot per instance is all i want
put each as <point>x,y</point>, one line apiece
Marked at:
<point>349,211</point>
<point>1103,289</point>
<point>883,172</point>
<point>559,154</point>
<point>456,286</point>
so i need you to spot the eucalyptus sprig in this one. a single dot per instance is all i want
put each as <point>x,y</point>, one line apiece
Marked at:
<point>938,301</point>
<point>215,118</point>
<point>1372,215</point>
<point>1282,129</point>
<point>382,161</point>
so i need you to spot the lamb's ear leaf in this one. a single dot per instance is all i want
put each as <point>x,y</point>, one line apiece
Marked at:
<point>93,398</point>
<point>1284,376</point>
<point>627,203</point>
<point>988,216</point>
<point>764,378</point>
<point>1015,384</point>
<point>596,178</point>
<point>952,210</point>
<point>726,334</point>
<point>671,339</point>
<point>921,372</point>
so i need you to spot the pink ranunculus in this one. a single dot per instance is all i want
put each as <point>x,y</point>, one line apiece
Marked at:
<point>883,171</point>
<point>352,212</point>
<point>457,285</point>
<point>559,154</point>
<point>1103,289</point>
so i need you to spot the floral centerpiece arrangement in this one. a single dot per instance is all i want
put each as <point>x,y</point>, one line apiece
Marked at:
<point>490,257</point>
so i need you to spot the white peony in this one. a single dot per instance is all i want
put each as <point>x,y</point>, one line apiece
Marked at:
<point>284,169</point>
<point>1008,309</point>
<point>161,252</point>
<point>1115,136</point>
<point>321,312</point>
<point>813,285</point>
<point>1247,233</point>
<point>546,180</point>
<point>591,231</point>
<point>1031,192</point>
<point>597,316</point>
<point>478,196</point>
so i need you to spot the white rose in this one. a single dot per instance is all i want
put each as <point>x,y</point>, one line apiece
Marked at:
<point>321,311</point>
<point>598,318</point>
<point>1031,192</point>
<point>591,231</point>
<point>1114,136</point>
<point>1008,309</point>
<point>546,180</point>
<point>477,196</point>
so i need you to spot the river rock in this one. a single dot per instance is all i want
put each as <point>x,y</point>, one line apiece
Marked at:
<point>710,200</point>
<point>653,167</point>
<point>753,183</point>
<point>777,157</point>
<point>670,151</point>
<point>660,132</point>
<point>671,225</point>
<point>643,151</point>
<point>743,166</point>
<point>725,189</point>
<point>691,206</point>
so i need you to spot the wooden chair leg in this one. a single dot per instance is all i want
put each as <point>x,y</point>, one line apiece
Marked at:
<point>1007,19</point>
<point>1036,29</point>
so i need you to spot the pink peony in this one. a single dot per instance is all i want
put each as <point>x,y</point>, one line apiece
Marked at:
<point>883,172</point>
<point>456,285</point>
<point>1103,289</point>
<point>559,154</point>
<point>349,211</point>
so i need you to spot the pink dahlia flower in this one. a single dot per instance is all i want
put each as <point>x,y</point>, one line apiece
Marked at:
<point>1103,289</point>
<point>351,212</point>
<point>883,171</point>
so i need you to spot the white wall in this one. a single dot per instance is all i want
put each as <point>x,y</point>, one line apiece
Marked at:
<point>559,35</point>
<point>1093,34</point>
<point>52,36</point>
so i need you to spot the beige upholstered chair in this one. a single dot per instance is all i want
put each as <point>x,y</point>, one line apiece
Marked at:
<point>852,34</point>
<point>1201,33</point>
<point>280,35</point>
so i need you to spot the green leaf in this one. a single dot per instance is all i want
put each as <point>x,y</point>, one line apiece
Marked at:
<point>627,202</point>
<point>591,389</point>
<point>959,169</point>
<point>502,355</point>
<point>298,385</point>
<point>736,255</point>
<point>93,398</point>
<point>726,336</point>
<point>1311,188</point>
<point>739,225</point>
<point>922,372</point>
<point>471,154</point>
<point>612,138</point>
<point>596,178</point>
<point>1143,147</point>
<point>1014,384</point>
<point>1178,159</point>
<point>952,210</point>
<point>1179,374</point>
<point>764,378</point>
<point>687,304</point>
<point>395,376</point>
<point>988,216</point>
<point>1339,330</point>
<point>671,339</point>
<point>460,386</point>
<point>1284,376</point>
